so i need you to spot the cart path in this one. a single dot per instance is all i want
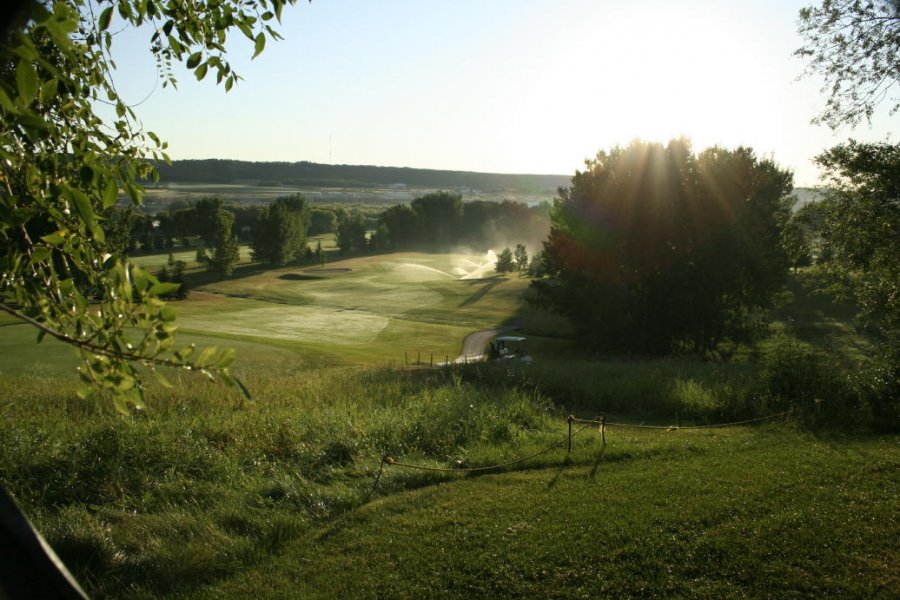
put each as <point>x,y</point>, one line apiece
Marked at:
<point>474,344</point>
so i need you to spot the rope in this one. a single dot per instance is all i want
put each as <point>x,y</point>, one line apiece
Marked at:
<point>554,445</point>
<point>674,427</point>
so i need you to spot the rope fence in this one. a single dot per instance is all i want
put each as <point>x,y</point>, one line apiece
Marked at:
<point>600,422</point>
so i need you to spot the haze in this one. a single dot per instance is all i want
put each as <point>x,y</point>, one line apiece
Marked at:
<point>511,86</point>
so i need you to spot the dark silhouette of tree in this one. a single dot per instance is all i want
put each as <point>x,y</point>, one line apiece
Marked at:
<point>440,214</point>
<point>351,234</point>
<point>654,248</point>
<point>853,45</point>
<point>505,262</point>
<point>225,252</point>
<point>403,226</point>
<point>280,233</point>
<point>521,257</point>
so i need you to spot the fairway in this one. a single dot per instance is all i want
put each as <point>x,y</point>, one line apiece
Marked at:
<point>377,309</point>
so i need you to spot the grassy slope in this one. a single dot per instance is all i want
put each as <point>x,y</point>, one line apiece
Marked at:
<point>729,513</point>
<point>207,497</point>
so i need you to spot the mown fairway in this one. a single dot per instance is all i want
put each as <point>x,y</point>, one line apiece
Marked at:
<point>357,311</point>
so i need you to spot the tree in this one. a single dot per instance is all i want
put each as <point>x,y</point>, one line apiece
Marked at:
<point>853,44</point>
<point>63,164</point>
<point>440,214</point>
<point>505,262</point>
<point>322,220</point>
<point>226,250</point>
<point>861,230</point>
<point>403,225</point>
<point>521,256</point>
<point>654,248</point>
<point>280,233</point>
<point>351,234</point>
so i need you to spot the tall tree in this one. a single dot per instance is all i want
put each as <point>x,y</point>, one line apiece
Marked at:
<point>655,248</point>
<point>506,263</point>
<point>225,251</point>
<point>64,162</point>
<point>440,214</point>
<point>861,230</point>
<point>351,234</point>
<point>521,256</point>
<point>280,233</point>
<point>853,45</point>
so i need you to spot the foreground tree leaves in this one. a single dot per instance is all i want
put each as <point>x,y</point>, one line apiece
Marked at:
<point>62,165</point>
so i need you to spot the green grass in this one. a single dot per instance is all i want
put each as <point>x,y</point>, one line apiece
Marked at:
<point>736,513</point>
<point>204,495</point>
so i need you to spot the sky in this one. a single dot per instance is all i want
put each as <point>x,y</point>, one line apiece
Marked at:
<point>509,86</point>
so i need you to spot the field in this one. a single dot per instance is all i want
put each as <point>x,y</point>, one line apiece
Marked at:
<point>204,495</point>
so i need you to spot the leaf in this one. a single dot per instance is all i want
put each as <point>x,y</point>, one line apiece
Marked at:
<point>200,73</point>
<point>26,81</point>
<point>55,239</point>
<point>105,19</point>
<point>83,204</point>
<point>162,380</point>
<point>260,43</point>
<point>110,193</point>
<point>194,60</point>
<point>49,90</point>
<point>41,253</point>
<point>229,83</point>
<point>235,383</point>
<point>205,357</point>
<point>225,359</point>
<point>161,289</point>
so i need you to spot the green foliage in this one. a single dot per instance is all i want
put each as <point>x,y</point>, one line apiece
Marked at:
<point>173,272</point>
<point>63,166</point>
<point>351,234</point>
<point>861,230</point>
<point>226,250</point>
<point>280,233</point>
<point>440,214</point>
<point>521,256</point>
<point>655,249</point>
<point>853,46</point>
<point>505,262</point>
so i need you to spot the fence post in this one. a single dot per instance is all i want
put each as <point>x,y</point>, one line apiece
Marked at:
<point>603,429</point>
<point>569,419</point>
<point>447,360</point>
<point>419,357</point>
<point>432,359</point>
<point>405,357</point>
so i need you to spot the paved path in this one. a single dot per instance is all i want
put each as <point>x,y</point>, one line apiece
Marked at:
<point>475,343</point>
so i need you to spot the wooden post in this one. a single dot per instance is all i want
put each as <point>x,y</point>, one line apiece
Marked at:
<point>419,357</point>
<point>447,359</point>
<point>432,359</point>
<point>569,419</point>
<point>405,357</point>
<point>603,429</point>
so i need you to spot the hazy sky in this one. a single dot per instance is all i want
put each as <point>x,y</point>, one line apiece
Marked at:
<point>515,86</point>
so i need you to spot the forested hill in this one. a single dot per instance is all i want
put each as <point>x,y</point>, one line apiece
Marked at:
<point>319,175</point>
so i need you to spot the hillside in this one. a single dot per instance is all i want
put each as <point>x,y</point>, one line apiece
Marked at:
<point>320,175</point>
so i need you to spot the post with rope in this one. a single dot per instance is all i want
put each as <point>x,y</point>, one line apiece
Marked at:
<point>570,419</point>
<point>603,430</point>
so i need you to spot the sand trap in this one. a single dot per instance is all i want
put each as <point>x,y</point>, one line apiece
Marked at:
<point>298,277</point>
<point>330,269</point>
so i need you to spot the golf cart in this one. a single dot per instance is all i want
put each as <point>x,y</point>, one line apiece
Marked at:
<point>508,347</point>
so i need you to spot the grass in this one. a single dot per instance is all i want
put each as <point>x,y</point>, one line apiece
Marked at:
<point>204,495</point>
<point>737,513</point>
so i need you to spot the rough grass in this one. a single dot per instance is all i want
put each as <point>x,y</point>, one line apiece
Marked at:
<point>203,495</point>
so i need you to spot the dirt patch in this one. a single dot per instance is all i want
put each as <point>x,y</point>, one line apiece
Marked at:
<point>298,277</point>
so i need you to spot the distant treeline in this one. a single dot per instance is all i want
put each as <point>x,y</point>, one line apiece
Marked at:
<point>319,175</point>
